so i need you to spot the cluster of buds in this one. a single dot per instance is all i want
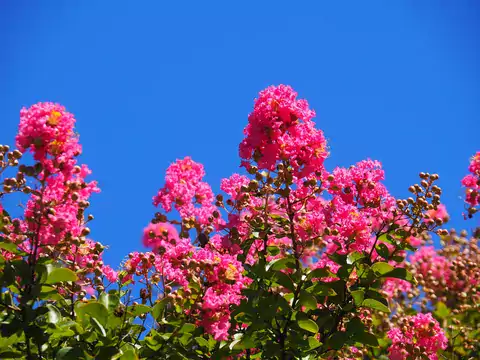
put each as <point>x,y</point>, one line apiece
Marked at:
<point>418,209</point>
<point>7,157</point>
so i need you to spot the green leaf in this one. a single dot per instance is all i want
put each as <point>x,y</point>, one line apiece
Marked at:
<point>375,304</point>
<point>442,310</point>
<point>129,354</point>
<point>382,250</point>
<point>366,338</point>
<point>358,296</point>
<point>313,343</point>
<point>401,273</point>
<point>281,263</point>
<point>9,246</point>
<point>95,310</point>
<point>139,309</point>
<point>158,308</point>
<point>187,328</point>
<point>61,274</point>
<point>284,280</point>
<point>307,300</point>
<point>339,259</point>
<point>69,353</point>
<point>354,257</point>
<point>355,326</point>
<point>97,326</point>
<point>308,325</point>
<point>381,268</point>
<point>110,301</point>
<point>322,289</point>
<point>54,315</point>
<point>273,250</point>
<point>10,355</point>
<point>201,341</point>
<point>318,274</point>
<point>387,238</point>
<point>337,340</point>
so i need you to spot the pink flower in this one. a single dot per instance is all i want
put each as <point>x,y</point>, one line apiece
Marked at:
<point>110,274</point>
<point>281,128</point>
<point>392,287</point>
<point>184,189</point>
<point>472,184</point>
<point>420,332</point>
<point>440,214</point>
<point>233,184</point>
<point>156,235</point>
<point>47,130</point>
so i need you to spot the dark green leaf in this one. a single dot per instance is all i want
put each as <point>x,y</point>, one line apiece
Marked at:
<point>10,355</point>
<point>383,251</point>
<point>318,274</point>
<point>355,326</point>
<point>366,338</point>
<point>401,273</point>
<point>273,250</point>
<point>339,259</point>
<point>69,353</point>
<point>337,340</point>
<point>283,280</point>
<point>307,300</point>
<point>281,263</point>
<point>375,304</point>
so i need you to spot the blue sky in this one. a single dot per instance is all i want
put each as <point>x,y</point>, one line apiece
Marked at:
<point>153,81</point>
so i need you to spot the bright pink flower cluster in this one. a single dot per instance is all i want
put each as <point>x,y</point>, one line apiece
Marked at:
<point>179,263</point>
<point>109,273</point>
<point>472,181</point>
<point>393,286</point>
<point>421,335</point>
<point>223,274</point>
<point>360,204</point>
<point>46,129</point>
<point>185,189</point>
<point>233,184</point>
<point>63,203</point>
<point>281,128</point>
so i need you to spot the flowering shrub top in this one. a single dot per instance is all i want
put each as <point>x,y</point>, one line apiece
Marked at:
<point>290,261</point>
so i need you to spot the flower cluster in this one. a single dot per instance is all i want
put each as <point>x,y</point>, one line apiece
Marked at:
<point>419,335</point>
<point>185,190</point>
<point>472,184</point>
<point>47,130</point>
<point>281,128</point>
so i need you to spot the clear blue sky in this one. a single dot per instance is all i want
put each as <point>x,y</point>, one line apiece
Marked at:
<point>152,81</point>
